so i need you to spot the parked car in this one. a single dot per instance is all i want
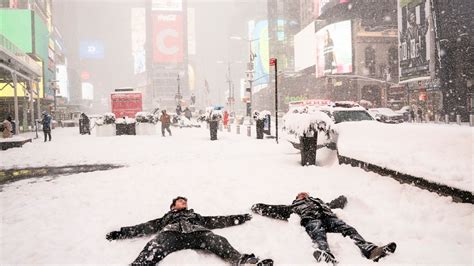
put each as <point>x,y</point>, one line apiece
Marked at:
<point>386,115</point>
<point>346,112</point>
<point>405,111</point>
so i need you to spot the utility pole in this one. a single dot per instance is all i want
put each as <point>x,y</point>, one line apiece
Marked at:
<point>274,62</point>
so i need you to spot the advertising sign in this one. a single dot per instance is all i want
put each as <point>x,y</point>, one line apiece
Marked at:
<point>168,38</point>
<point>87,91</point>
<point>138,40</point>
<point>167,5</point>
<point>91,50</point>
<point>305,48</point>
<point>414,39</point>
<point>334,49</point>
<point>260,47</point>
<point>62,77</point>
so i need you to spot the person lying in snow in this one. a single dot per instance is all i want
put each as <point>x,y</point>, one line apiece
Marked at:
<point>180,229</point>
<point>318,219</point>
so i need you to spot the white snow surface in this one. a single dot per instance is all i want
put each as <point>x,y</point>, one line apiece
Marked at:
<point>435,152</point>
<point>64,220</point>
<point>300,123</point>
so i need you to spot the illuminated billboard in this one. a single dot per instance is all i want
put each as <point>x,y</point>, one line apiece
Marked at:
<point>305,48</point>
<point>167,5</point>
<point>63,83</point>
<point>91,50</point>
<point>334,49</point>
<point>168,39</point>
<point>260,47</point>
<point>87,91</point>
<point>138,40</point>
<point>414,39</point>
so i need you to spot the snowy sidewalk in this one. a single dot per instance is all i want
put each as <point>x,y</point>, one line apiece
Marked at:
<point>63,220</point>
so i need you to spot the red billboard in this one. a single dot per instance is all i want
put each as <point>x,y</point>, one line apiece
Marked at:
<point>168,39</point>
<point>126,103</point>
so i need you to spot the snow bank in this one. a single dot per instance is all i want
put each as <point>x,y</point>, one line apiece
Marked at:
<point>438,153</point>
<point>64,220</point>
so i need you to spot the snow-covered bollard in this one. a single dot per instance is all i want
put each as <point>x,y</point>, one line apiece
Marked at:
<point>436,118</point>
<point>229,129</point>
<point>471,120</point>
<point>237,129</point>
<point>249,131</point>
<point>458,119</point>
<point>446,119</point>
<point>220,127</point>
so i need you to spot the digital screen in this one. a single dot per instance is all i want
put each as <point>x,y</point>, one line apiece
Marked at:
<point>91,50</point>
<point>334,49</point>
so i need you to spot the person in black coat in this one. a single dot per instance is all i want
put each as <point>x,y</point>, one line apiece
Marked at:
<point>180,229</point>
<point>318,219</point>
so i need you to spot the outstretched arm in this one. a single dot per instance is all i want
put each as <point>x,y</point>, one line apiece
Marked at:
<point>213,222</point>
<point>281,212</point>
<point>338,203</point>
<point>138,230</point>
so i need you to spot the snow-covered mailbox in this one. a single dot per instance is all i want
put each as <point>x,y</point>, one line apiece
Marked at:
<point>105,126</point>
<point>145,123</point>
<point>304,128</point>
<point>125,126</point>
<point>260,119</point>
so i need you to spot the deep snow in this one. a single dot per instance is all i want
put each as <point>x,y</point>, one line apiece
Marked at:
<point>63,220</point>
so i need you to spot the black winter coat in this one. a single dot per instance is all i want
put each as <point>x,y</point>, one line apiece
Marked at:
<point>308,209</point>
<point>183,221</point>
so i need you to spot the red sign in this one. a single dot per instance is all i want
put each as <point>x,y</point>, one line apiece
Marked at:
<point>168,41</point>
<point>126,104</point>
<point>85,75</point>
<point>273,61</point>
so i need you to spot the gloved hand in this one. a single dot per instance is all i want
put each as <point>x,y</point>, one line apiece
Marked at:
<point>247,217</point>
<point>256,208</point>
<point>113,235</point>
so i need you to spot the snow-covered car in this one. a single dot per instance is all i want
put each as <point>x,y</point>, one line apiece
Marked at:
<point>346,112</point>
<point>386,115</point>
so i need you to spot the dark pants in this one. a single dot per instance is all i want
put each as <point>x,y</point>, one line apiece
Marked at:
<point>168,242</point>
<point>167,127</point>
<point>318,228</point>
<point>47,133</point>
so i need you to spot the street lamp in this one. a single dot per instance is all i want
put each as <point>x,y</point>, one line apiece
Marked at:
<point>230,99</point>
<point>250,70</point>
<point>178,96</point>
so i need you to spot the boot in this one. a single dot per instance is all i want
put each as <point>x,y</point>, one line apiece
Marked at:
<point>325,256</point>
<point>380,252</point>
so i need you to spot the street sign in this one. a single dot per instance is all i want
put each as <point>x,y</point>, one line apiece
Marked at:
<point>273,61</point>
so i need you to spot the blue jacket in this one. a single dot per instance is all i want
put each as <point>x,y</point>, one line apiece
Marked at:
<point>46,122</point>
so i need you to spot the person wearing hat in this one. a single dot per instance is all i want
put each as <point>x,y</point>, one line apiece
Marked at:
<point>165,120</point>
<point>7,128</point>
<point>182,228</point>
<point>46,122</point>
<point>318,219</point>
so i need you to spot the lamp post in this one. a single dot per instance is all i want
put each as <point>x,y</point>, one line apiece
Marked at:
<point>250,71</point>
<point>178,96</point>
<point>230,99</point>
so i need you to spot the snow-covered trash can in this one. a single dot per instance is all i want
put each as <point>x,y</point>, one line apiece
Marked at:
<point>305,128</point>
<point>260,118</point>
<point>105,126</point>
<point>145,123</point>
<point>125,126</point>
<point>215,117</point>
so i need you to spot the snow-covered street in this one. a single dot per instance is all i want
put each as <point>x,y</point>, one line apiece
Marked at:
<point>64,220</point>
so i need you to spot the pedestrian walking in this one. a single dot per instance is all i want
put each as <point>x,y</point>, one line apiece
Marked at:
<point>46,122</point>
<point>412,115</point>
<point>84,124</point>
<point>181,228</point>
<point>225,119</point>
<point>165,120</point>
<point>318,219</point>
<point>420,114</point>
<point>7,128</point>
